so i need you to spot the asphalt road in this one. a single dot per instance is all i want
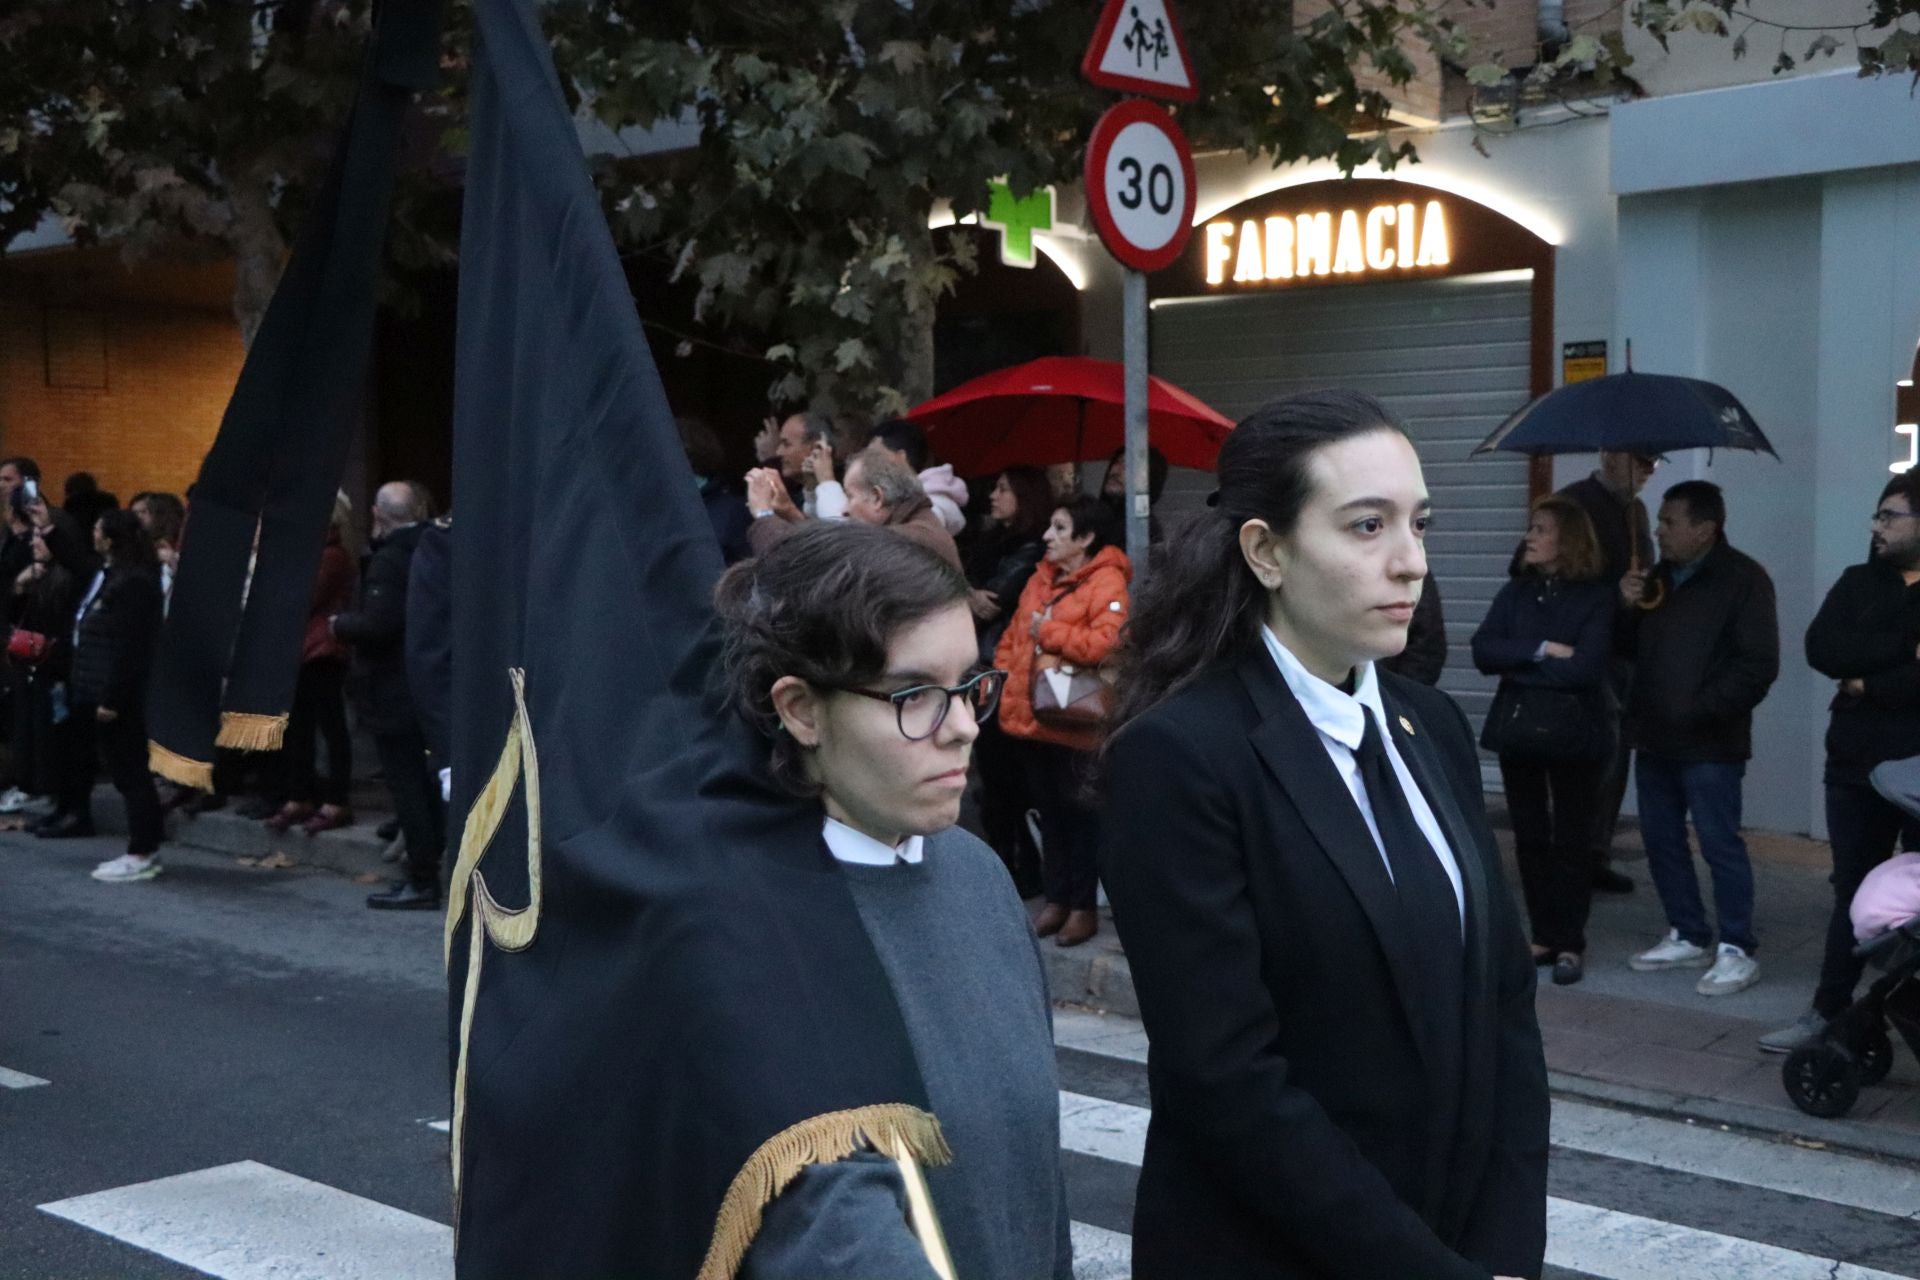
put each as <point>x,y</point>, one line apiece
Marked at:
<point>215,1014</point>
<point>236,1068</point>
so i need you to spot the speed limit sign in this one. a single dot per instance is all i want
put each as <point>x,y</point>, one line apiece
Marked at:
<point>1140,186</point>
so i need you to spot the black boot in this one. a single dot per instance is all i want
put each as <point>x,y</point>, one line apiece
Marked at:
<point>1607,880</point>
<point>406,897</point>
<point>69,827</point>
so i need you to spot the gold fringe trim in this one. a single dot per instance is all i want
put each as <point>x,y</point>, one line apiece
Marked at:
<point>177,768</point>
<point>248,731</point>
<point>508,928</point>
<point>888,1128</point>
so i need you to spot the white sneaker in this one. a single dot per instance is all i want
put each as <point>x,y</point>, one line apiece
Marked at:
<point>127,868</point>
<point>14,800</point>
<point>1733,970</point>
<point>1804,1030</point>
<point>1671,952</point>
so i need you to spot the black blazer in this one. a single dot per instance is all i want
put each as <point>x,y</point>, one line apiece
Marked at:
<point>1295,1132</point>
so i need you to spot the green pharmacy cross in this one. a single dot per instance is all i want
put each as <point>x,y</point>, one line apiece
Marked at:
<point>1016,219</point>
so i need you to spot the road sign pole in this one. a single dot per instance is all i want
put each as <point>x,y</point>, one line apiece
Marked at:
<point>1134,307</point>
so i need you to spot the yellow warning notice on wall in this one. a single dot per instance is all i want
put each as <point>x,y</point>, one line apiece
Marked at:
<point>1580,361</point>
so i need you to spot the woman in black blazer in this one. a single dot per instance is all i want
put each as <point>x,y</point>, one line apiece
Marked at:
<point>1547,636</point>
<point>1346,1070</point>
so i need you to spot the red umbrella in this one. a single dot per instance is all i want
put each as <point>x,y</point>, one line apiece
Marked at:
<point>1062,409</point>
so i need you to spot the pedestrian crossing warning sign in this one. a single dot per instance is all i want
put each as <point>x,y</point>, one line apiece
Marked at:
<point>1138,48</point>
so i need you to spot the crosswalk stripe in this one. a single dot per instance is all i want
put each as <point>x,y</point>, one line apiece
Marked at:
<point>1096,1127</point>
<point>11,1079</point>
<point>1111,1037</point>
<point>247,1221</point>
<point>1623,1246</point>
<point>1099,1254</point>
<point>1735,1157</point>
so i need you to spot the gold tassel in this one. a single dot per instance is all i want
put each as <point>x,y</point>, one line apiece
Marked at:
<point>177,768</point>
<point>248,731</point>
<point>886,1127</point>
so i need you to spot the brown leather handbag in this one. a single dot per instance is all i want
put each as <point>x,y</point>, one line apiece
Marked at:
<point>1065,695</point>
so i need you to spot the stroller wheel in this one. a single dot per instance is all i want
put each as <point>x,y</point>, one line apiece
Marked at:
<point>1821,1079</point>
<point>1874,1056</point>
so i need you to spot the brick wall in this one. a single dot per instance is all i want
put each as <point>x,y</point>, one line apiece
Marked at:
<point>139,389</point>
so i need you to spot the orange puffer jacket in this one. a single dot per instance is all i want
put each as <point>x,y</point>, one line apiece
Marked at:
<point>1082,627</point>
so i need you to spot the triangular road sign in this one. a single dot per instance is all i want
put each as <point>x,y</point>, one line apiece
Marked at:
<point>1138,48</point>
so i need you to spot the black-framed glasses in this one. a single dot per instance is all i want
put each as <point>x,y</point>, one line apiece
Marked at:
<point>1883,517</point>
<point>922,708</point>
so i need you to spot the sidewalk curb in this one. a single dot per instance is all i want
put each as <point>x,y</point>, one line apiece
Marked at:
<point>1857,1137</point>
<point>351,851</point>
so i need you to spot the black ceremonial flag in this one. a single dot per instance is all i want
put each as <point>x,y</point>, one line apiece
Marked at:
<point>230,651</point>
<point>664,1002</point>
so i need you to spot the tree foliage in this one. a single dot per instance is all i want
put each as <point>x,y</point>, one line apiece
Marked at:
<point>167,123</point>
<point>829,132</point>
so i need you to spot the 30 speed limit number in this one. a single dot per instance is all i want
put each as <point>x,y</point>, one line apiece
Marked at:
<point>1140,186</point>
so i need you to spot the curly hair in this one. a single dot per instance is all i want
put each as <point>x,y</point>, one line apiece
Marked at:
<point>822,605</point>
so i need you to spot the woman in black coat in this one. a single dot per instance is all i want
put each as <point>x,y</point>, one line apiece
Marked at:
<point>115,628</point>
<point>998,560</point>
<point>44,597</point>
<point>1547,636</point>
<point>1346,1071</point>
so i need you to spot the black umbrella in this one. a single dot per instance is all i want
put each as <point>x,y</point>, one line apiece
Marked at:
<point>1630,413</point>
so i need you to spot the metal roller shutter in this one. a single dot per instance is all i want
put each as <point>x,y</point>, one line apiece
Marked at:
<point>1449,357</point>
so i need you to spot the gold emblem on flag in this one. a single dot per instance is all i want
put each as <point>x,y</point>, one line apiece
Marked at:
<point>508,928</point>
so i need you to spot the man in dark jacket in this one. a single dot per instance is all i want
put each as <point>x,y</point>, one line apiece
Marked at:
<point>1867,637</point>
<point>377,632</point>
<point>1707,649</point>
<point>1611,499</point>
<point>429,642</point>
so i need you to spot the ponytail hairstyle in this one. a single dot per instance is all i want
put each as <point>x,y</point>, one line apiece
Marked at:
<point>1202,602</point>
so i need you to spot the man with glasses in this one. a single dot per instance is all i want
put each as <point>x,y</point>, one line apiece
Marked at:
<point>1611,499</point>
<point>1867,637</point>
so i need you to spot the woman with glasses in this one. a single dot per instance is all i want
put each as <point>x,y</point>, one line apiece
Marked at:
<point>852,649</point>
<point>1061,633</point>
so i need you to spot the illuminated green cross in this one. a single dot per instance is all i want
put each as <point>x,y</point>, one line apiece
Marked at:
<point>1016,220</point>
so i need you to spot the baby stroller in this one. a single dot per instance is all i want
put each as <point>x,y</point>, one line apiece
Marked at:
<point>1825,1078</point>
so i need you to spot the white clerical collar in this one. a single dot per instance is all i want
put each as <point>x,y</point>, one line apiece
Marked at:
<point>848,845</point>
<point>1335,712</point>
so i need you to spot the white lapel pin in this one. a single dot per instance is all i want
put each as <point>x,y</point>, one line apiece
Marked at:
<point>1407,725</point>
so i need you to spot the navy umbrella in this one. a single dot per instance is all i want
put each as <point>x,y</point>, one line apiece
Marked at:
<point>1630,412</point>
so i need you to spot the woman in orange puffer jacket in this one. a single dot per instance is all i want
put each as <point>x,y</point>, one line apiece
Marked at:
<point>1073,606</point>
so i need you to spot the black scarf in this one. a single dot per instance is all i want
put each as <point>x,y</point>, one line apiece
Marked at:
<point>230,651</point>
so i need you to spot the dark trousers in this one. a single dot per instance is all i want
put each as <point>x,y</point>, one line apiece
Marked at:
<point>1611,782</point>
<point>1069,827</point>
<point>416,802</point>
<point>1004,801</point>
<point>1552,810</point>
<point>20,716</point>
<point>319,705</point>
<point>122,745</point>
<point>42,747</point>
<point>1669,791</point>
<point>1864,831</point>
